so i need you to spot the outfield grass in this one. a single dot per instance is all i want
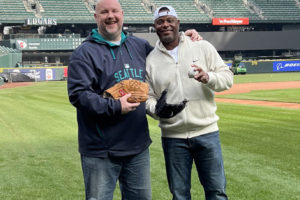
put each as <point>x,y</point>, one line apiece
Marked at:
<point>286,95</point>
<point>261,151</point>
<point>39,157</point>
<point>38,154</point>
<point>267,77</point>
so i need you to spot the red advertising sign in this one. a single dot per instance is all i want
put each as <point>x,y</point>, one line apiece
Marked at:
<point>65,72</point>
<point>230,21</point>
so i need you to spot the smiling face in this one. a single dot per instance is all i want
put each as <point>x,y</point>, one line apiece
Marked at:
<point>167,29</point>
<point>109,18</point>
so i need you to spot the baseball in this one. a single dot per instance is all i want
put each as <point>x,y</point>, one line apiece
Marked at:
<point>192,72</point>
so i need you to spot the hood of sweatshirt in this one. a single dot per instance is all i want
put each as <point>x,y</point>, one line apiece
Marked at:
<point>95,36</point>
<point>98,38</point>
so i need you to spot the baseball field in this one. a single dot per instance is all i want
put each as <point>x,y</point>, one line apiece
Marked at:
<point>260,141</point>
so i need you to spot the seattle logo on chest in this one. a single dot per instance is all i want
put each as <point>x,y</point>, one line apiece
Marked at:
<point>128,73</point>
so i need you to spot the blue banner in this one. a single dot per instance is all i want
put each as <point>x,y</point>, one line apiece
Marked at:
<point>286,66</point>
<point>37,74</point>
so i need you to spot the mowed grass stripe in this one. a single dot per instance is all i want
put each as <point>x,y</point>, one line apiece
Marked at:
<point>40,150</point>
<point>260,153</point>
<point>267,77</point>
<point>286,95</point>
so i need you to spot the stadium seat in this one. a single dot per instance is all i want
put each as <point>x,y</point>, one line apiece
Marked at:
<point>135,12</point>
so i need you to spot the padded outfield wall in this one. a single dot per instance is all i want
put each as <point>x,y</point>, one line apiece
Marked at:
<point>271,66</point>
<point>40,73</point>
<point>61,73</point>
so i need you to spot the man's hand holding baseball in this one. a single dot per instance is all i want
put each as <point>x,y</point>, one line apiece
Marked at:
<point>201,75</point>
<point>126,106</point>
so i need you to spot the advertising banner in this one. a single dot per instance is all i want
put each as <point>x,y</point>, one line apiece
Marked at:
<point>230,21</point>
<point>36,74</point>
<point>286,66</point>
<point>49,74</point>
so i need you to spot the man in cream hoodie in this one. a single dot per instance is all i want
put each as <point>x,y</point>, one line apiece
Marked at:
<point>183,77</point>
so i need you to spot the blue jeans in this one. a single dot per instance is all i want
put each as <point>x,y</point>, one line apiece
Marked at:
<point>205,151</point>
<point>102,174</point>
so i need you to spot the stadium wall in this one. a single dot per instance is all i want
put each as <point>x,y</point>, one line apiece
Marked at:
<point>60,73</point>
<point>239,41</point>
<point>10,59</point>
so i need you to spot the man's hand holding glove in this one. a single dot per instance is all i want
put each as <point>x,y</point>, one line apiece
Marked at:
<point>165,110</point>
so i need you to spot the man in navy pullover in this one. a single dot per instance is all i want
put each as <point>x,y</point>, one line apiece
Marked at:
<point>113,134</point>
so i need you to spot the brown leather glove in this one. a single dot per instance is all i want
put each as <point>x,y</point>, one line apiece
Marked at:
<point>138,90</point>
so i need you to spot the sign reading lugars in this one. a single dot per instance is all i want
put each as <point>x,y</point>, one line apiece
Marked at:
<point>41,21</point>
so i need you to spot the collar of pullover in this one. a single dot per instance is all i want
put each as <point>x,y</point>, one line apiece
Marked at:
<point>98,38</point>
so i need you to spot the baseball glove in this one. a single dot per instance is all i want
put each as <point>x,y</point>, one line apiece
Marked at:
<point>138,89</point>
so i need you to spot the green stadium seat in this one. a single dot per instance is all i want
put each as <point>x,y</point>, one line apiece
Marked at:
<point>186,10</point>
<point>76,11</point>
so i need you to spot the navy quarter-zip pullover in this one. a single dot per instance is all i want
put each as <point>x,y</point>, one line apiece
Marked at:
<point>95,66</point>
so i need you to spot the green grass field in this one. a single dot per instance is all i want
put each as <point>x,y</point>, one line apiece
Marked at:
<point>267,77</point>
<point>39,157</point>
<point>287,95</point>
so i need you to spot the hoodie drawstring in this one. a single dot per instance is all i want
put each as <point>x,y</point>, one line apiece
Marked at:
<point>112,53</point>
<point>128,51</point>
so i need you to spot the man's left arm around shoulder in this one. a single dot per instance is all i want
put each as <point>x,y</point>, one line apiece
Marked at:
<point>193,34</point>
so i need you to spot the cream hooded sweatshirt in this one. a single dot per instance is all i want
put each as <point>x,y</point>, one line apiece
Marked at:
<point>199,116</point>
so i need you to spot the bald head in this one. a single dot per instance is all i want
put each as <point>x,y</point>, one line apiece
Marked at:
<point>99,3</point>
<point>109,18</point>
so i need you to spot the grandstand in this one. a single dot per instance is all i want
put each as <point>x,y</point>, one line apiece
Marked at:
<point>187,11</point>
<point>64,10</point>
<point>49,30</point>
<point>234,8</point>
<point>13,11</point>
<point>136,12</point>
<point>140,11</point>
<point>276,10</point>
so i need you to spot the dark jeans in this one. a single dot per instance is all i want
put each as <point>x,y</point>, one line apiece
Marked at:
<point>102,174</point>
<point>205,151</point>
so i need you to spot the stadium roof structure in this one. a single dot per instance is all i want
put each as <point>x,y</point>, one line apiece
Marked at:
<point>141,11</point>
